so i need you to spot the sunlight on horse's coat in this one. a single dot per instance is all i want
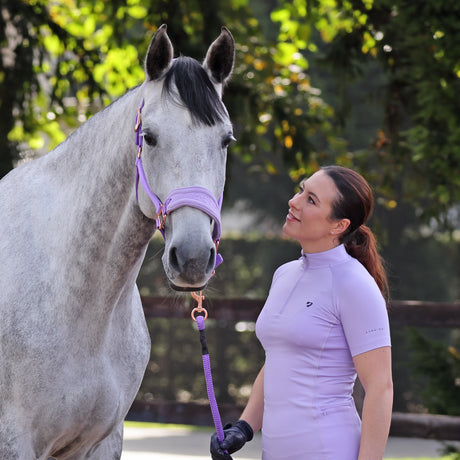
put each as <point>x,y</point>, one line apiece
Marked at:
<point>74,342</point>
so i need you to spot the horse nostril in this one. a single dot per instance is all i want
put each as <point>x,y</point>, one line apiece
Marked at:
<point>173,260</point>
<point>212,260</point>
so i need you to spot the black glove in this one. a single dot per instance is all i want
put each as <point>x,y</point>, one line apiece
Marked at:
<point>235,436</point>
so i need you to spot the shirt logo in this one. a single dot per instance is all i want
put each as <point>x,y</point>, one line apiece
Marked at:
<point>371,331</point>
<point>309,304</point>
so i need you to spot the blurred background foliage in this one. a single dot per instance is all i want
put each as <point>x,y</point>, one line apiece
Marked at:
<point>368,84</point>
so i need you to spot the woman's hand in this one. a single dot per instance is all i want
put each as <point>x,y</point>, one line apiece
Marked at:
<point>235,437</point>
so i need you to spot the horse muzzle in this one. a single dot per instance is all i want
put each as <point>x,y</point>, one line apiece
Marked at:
<point>190,254</point>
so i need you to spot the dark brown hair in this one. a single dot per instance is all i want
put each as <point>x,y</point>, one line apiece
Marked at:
<point>355,202</point>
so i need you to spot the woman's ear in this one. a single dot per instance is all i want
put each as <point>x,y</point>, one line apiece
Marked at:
<point>340,226</point>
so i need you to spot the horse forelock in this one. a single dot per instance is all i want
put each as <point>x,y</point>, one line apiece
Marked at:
<point>195,91</point>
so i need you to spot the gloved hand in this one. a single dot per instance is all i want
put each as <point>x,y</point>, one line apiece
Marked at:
<point>235,437</point>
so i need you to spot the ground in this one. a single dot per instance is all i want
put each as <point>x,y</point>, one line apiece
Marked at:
<point>173,442</point>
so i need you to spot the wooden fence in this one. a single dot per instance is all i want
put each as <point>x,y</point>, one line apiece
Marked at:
<point>402,313</point>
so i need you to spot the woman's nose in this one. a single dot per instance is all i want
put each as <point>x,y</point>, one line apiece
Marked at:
<point>292,202</point>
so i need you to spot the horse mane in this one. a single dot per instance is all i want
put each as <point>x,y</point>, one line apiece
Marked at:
<point>196,91</point>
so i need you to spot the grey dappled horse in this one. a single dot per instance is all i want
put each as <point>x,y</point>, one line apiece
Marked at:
<point>74,343</point>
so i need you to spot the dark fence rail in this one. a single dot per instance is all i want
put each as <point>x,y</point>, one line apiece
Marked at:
<point>401,313</point>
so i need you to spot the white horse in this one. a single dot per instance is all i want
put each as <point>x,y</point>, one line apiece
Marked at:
<point>73,339</point>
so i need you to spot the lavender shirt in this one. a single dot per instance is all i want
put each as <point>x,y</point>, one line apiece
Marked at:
<point>322,310</point>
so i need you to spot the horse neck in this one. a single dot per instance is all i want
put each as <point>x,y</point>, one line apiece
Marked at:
<point>108,235</point>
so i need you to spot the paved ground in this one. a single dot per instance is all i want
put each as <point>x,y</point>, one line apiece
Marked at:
<point>191,444</point>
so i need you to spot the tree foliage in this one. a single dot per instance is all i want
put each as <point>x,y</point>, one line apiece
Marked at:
<point>63,60</point>
<point>93,50</point>
<point>437,367</point>
<point>415,153</point>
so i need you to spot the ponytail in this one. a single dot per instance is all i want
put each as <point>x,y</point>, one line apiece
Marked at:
<point>362,245</point>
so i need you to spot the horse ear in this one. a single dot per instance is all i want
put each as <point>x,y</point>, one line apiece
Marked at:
<point>220,57</point>
<point>159,55</point>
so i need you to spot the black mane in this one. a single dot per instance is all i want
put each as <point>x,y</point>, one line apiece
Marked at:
<point>195,89</point>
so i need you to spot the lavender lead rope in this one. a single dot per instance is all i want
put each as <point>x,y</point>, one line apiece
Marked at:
<point>208,378</point>
<point>200,198</point>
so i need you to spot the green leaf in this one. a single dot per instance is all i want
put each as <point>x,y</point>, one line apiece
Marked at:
<point>286,53</point>
<point>36,142</point>
<point>53,45</point>
<point>137,12</point>
<point>280,15</point>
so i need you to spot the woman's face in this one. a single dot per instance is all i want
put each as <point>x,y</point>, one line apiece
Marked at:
<point>309,221</point>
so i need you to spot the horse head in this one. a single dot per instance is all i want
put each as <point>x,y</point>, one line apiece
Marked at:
<point>186,131</point>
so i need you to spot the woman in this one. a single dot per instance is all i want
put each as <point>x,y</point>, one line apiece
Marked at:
<point>324,321</point>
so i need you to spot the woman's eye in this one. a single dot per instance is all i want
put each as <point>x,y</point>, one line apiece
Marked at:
<point>311,200</point>
<point>150,139</point>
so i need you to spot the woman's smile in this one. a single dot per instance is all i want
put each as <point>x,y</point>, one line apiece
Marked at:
<point>290,217</point>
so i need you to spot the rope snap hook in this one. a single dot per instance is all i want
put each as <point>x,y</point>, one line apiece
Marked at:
<point>198,309</point>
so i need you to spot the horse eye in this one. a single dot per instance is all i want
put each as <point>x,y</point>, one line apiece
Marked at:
<point>227,140</point>
<point>150,139</point>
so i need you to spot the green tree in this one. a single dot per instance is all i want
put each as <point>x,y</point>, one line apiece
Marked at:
<point>61,61</point>
<point>437,367</point>
<point>93,51</point>
<point>415,153</point>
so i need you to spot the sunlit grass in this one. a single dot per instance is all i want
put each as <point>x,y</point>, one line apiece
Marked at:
<point>130,424</point>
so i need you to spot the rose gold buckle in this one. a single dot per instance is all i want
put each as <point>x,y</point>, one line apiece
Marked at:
<point>161,218</point>
<point>138,119</point>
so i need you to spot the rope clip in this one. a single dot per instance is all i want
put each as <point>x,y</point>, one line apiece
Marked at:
<point>199,309</point>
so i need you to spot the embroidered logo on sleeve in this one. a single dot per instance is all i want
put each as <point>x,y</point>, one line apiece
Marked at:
<point>373,331</point>
<point>309,304</point>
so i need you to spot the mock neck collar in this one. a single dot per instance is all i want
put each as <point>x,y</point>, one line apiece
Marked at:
<point>326,258</point>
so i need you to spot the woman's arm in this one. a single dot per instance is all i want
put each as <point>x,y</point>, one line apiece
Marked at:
<point>374,372</point>
<point>254,411</point>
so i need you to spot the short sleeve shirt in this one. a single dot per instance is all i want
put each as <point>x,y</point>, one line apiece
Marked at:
<point>322,310</point>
